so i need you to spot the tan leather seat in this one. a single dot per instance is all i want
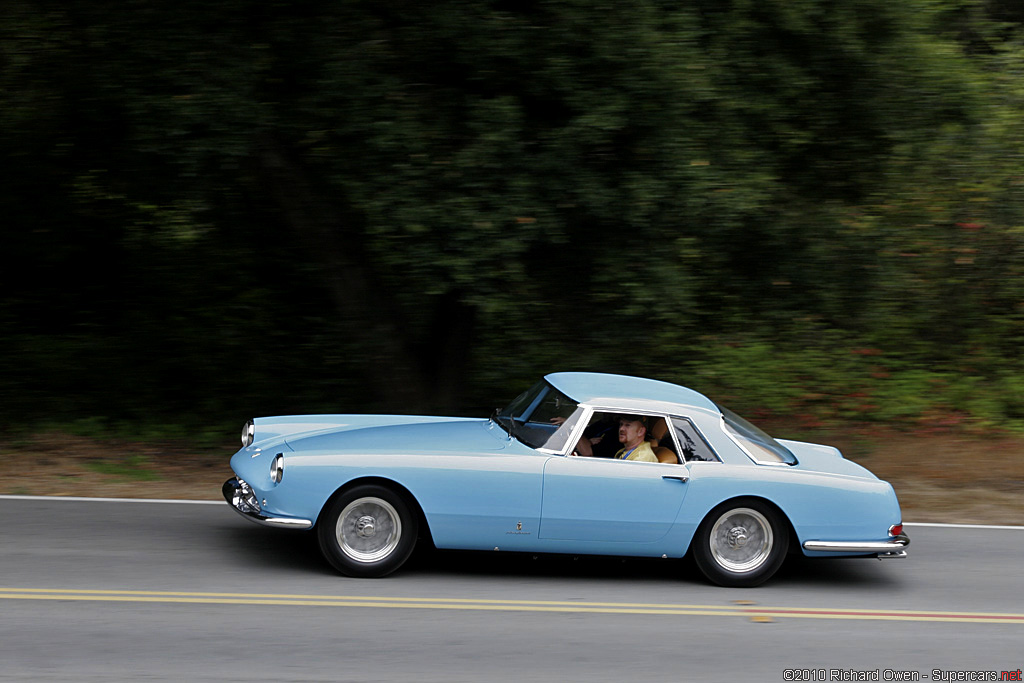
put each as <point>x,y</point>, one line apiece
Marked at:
<point>665,455</point>
<point>657,432</point>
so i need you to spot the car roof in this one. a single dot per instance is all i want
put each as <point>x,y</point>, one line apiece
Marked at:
<point>593,387</point>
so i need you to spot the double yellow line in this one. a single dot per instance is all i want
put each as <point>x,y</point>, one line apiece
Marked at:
<point>745,610</point>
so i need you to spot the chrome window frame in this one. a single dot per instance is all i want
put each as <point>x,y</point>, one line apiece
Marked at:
<point>526,413</point>
<point>574,436</point>
<point>728,432</point>
<point>591,409</point>
<point>700,435</point>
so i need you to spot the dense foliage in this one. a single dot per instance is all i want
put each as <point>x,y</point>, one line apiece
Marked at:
<point>811,207</point>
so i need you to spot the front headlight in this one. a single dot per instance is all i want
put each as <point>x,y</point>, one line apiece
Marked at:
<point>248,433</point>
<point>277,468</point>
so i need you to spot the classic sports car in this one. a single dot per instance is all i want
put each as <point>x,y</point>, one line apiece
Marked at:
<point>714,485</point>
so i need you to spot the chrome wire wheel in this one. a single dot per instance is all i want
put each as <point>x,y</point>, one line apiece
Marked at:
<point>368,529</point>
<point>741,540</point>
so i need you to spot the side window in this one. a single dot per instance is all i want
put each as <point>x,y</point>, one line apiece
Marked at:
<point>558,440</point>
<point>692,444</point>
<point>600,438</point>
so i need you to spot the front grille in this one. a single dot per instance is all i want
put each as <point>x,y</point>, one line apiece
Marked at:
<point>245,499</point>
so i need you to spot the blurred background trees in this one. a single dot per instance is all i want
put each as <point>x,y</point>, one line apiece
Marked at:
<point>810,208</point>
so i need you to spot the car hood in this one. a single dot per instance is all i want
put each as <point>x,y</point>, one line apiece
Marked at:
<point>379,433</point>
<point>820,458</point>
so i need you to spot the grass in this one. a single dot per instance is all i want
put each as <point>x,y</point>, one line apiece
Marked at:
<point>133,468</point>
<point>188,433</point>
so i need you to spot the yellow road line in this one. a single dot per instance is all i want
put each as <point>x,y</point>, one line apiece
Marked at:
<point>265,599</point>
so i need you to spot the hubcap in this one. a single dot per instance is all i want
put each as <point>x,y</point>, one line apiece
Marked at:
<point>365,525</point>
<point>737,537</point>
<point>368,529</point>
<point>741,540</point>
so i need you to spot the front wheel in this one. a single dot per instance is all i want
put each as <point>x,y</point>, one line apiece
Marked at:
<point>369,531</point>
<point>741,543</point>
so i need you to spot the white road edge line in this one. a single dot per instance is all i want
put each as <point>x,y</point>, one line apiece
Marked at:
<point>220,502</point>
<point>963,526</point>
<point>80,499</point>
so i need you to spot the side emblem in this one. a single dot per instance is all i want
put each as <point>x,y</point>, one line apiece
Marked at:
<point>519,531</point>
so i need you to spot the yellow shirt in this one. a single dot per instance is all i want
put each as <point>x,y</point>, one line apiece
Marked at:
<point>643,453</point>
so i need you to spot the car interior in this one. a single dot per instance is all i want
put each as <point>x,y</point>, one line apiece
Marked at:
<point>688,445</point>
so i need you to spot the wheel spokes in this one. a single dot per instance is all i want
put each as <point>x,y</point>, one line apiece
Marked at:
<point>368,529</point>
<point>741,540</point>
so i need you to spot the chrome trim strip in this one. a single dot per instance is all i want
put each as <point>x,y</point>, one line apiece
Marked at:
<point>285,522</point>
<point>893,548</point>
<point>239,496</point>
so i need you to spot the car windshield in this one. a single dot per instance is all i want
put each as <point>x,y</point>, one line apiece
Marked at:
<point>755,441</point>
<point>540,417</point>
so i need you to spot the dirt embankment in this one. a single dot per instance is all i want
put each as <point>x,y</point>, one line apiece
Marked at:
<point>946,478</point>
<point>938,477</point>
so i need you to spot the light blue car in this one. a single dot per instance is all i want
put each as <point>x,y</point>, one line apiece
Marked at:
<point>371,486</point>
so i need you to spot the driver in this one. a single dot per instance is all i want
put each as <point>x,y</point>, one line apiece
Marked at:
<point>633,437</point>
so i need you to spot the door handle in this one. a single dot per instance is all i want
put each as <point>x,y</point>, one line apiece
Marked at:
<point>680,478</point>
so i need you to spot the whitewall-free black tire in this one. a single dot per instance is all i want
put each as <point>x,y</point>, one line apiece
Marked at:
<point>368,531</point>
<point>741,542</point>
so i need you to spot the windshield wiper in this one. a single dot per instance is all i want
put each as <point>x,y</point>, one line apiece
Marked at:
<point>496,417</point>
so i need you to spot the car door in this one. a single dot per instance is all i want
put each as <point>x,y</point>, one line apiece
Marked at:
<point>619,501</point>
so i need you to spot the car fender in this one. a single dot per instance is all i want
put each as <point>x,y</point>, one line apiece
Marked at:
<point>817,505</point>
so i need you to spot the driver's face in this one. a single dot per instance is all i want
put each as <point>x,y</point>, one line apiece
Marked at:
<point>631,432</point>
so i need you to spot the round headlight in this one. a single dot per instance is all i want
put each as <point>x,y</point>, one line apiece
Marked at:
<point>277,468</point>
<point>248,433</point>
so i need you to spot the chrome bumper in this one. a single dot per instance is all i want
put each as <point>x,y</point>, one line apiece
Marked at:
<point>240,497</point>
<point>882,549</point>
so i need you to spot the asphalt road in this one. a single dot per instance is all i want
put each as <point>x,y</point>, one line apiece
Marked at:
<point>142,591</point>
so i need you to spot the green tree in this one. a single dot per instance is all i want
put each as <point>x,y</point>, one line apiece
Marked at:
<point>405,206</point>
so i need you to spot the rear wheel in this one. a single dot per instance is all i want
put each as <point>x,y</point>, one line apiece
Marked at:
<point>368,531</point>
<point>741,543</point>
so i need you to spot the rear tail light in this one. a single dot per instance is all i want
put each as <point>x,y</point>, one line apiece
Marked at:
<point>896,529</point>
